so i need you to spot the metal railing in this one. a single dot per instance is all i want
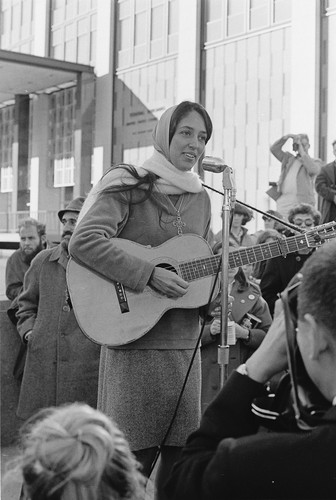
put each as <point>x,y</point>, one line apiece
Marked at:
<point>9,221</point>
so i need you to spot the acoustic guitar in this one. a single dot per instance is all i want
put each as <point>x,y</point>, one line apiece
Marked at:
<point>113,315</point>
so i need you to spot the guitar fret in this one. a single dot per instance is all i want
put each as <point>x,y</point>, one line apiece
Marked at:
<point>207,266</point>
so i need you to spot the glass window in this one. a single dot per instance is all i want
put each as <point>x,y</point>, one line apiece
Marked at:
<point>214,10</point>
<point>173,26</point>
<point>140,31</point>
<point>259,14</point>
<point>157,26</point>
<point>282,11</point>
<point>236,12</point>
<point>61,136</point>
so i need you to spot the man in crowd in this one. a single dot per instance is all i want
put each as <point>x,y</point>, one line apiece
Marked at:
<point>325,186</point>
<point>227,457</point>
<point>280,270</point>
<point>62,364</point>
<point>32,240</point>
<point>296,182</point>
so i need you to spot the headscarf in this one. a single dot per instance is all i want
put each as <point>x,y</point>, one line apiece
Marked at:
<point>170,179</point>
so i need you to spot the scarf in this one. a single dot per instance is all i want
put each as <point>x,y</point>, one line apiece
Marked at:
<point>170,179</point>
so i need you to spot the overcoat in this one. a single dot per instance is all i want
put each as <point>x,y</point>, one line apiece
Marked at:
<point>248,300</point>
<point>62,364</point>
<point>325,185</point>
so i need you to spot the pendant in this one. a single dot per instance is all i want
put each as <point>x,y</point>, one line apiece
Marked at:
<point>179,223</point>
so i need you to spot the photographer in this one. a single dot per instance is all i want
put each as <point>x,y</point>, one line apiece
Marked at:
<point>296,182</point>
<point>227,457</point>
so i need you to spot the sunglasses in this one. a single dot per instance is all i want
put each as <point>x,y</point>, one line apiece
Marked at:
<point>300,222</point>
<point>308,403</point>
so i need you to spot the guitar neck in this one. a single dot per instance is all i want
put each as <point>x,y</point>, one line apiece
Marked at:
<point>208,266</point>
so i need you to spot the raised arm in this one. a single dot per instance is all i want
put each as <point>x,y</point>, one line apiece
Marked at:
<point>276,148</point>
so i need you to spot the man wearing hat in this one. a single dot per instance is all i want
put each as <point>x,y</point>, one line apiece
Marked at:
<point>62,364</point>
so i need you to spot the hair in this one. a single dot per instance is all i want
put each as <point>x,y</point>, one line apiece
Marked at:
<point>183,109</point>
<point>317,291</point>
<point>75,452</point>
<point>304,136</point>
<point>247,214</point>
<point>149,179</point>
<point>29,222</point>
<point>304,208</point>
<point>333,143</point>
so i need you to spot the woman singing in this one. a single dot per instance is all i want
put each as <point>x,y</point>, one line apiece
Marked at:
<point>140,382</point>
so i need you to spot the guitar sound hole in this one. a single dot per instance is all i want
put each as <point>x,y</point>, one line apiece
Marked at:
<point>169,267</point>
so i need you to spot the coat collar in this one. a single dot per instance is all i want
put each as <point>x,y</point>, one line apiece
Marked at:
<point>59,254</point>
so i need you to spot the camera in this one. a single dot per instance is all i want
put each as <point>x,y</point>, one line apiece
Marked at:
<point>295,146</point>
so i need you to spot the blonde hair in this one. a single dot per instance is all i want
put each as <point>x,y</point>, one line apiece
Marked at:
<point>74,452</point>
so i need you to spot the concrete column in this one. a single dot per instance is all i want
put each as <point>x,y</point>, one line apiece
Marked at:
<point>305,69</point>
<point>41,27</point>
<point>188,64</point>
<point>104,69</point>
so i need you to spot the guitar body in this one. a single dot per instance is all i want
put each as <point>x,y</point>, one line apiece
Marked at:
<point>112,315</point>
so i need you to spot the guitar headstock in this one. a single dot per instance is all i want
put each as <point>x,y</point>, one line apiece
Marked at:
<point>320,234</point>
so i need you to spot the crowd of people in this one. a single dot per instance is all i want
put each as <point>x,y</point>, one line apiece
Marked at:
<point>97,417</point>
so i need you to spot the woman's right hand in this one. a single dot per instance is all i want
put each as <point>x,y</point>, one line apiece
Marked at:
<point>168,283</point>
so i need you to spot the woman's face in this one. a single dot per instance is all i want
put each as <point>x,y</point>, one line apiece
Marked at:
<point>188,142</point>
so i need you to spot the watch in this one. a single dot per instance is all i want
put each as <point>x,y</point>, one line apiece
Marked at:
<point>242,369</point>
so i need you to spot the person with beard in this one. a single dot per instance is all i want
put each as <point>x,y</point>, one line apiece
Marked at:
<point>62,364</point>
<point>32,240</point>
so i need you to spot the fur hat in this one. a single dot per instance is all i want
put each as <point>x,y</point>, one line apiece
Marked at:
<point>74,206</point>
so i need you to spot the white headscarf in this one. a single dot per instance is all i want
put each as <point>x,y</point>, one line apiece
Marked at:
<point>170,179</point>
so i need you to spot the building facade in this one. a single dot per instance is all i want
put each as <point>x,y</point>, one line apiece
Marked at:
<point>262,69</point>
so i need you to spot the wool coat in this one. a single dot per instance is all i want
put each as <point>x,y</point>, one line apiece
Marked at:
<point>247,301</point>
<point>140,382</point>
<point>278,273</point>
<point>325,185</point>
<point>62,364</point>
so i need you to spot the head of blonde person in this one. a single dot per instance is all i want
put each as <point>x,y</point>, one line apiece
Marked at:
<point>74,452</point>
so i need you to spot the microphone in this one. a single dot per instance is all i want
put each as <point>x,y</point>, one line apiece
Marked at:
<point>213,164</point>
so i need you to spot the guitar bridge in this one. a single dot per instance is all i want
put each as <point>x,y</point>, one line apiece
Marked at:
<point>121,296</point>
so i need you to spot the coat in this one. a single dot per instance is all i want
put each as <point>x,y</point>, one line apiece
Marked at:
<point>278,273</point>
<point>247,301</point>
<point>227,458</point>
<point>16,269</point>
<point>140,382</point>
<point>62,364</point>
<point>325,185</point>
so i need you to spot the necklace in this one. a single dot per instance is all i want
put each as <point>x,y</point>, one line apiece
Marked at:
<point>178,222</point>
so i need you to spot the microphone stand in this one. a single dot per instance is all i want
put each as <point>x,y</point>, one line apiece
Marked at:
<point>228,204</point>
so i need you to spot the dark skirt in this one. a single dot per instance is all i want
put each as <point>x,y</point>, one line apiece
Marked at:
<point>139,389</point>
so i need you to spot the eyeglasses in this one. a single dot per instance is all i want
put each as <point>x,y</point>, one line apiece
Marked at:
<point>305,222</point>
<point>308,403</point>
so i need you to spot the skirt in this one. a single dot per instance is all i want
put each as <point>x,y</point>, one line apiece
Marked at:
<point>139,390</point>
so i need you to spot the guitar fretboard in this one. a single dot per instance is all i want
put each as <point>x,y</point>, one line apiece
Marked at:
<point>208,266</point>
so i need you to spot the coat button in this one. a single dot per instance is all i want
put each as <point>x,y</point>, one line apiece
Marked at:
<point>66,308</point>
<point>251,297</point>
<point>242,301</point>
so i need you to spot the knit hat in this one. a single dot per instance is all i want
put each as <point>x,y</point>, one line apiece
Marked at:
<point>74,206</point>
